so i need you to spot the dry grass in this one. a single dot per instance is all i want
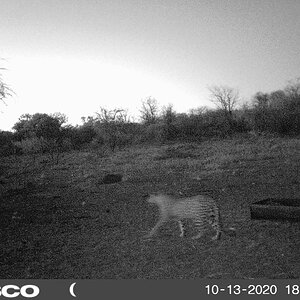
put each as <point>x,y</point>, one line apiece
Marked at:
<point>59,222</point>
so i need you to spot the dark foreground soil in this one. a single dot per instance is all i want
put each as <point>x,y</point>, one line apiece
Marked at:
<point>59,221</point>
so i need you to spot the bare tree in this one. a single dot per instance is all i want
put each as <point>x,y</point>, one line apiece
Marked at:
<point>225,98</point>
<point>149,111</point>
<point>293,88</point>
<point>5,91</point>
<point>111,126</point>
<point>114,115</point>
<point>199,111</point>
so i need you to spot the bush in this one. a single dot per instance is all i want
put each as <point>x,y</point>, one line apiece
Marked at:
<point>116,135</point>
<point>80,136</point>
<point>6,143</point>
<point>152,133</point>
<point>31,146</point>
<point>277,112</point>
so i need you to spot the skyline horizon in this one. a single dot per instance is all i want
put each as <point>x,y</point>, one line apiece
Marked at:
<point>136,118</point>
<point>73,57</point>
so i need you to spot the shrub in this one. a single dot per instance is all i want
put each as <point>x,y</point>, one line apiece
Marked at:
<point>6,143</point>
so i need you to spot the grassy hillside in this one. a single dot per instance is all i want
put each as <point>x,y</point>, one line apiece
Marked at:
<point>58,221</point>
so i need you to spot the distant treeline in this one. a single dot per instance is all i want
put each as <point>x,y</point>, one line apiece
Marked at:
<point>277,112</point>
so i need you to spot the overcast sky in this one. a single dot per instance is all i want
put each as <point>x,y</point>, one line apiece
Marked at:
<point>73,56</point>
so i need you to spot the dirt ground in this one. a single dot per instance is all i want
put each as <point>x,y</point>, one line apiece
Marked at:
<point>59,221</point>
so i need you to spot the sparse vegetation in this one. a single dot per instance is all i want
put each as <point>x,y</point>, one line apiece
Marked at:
<point>60,222</point>
<point>5,90</point>
<point>276,113</point>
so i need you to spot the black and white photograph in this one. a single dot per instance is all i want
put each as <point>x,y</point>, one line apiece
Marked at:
<point>149,139</point>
